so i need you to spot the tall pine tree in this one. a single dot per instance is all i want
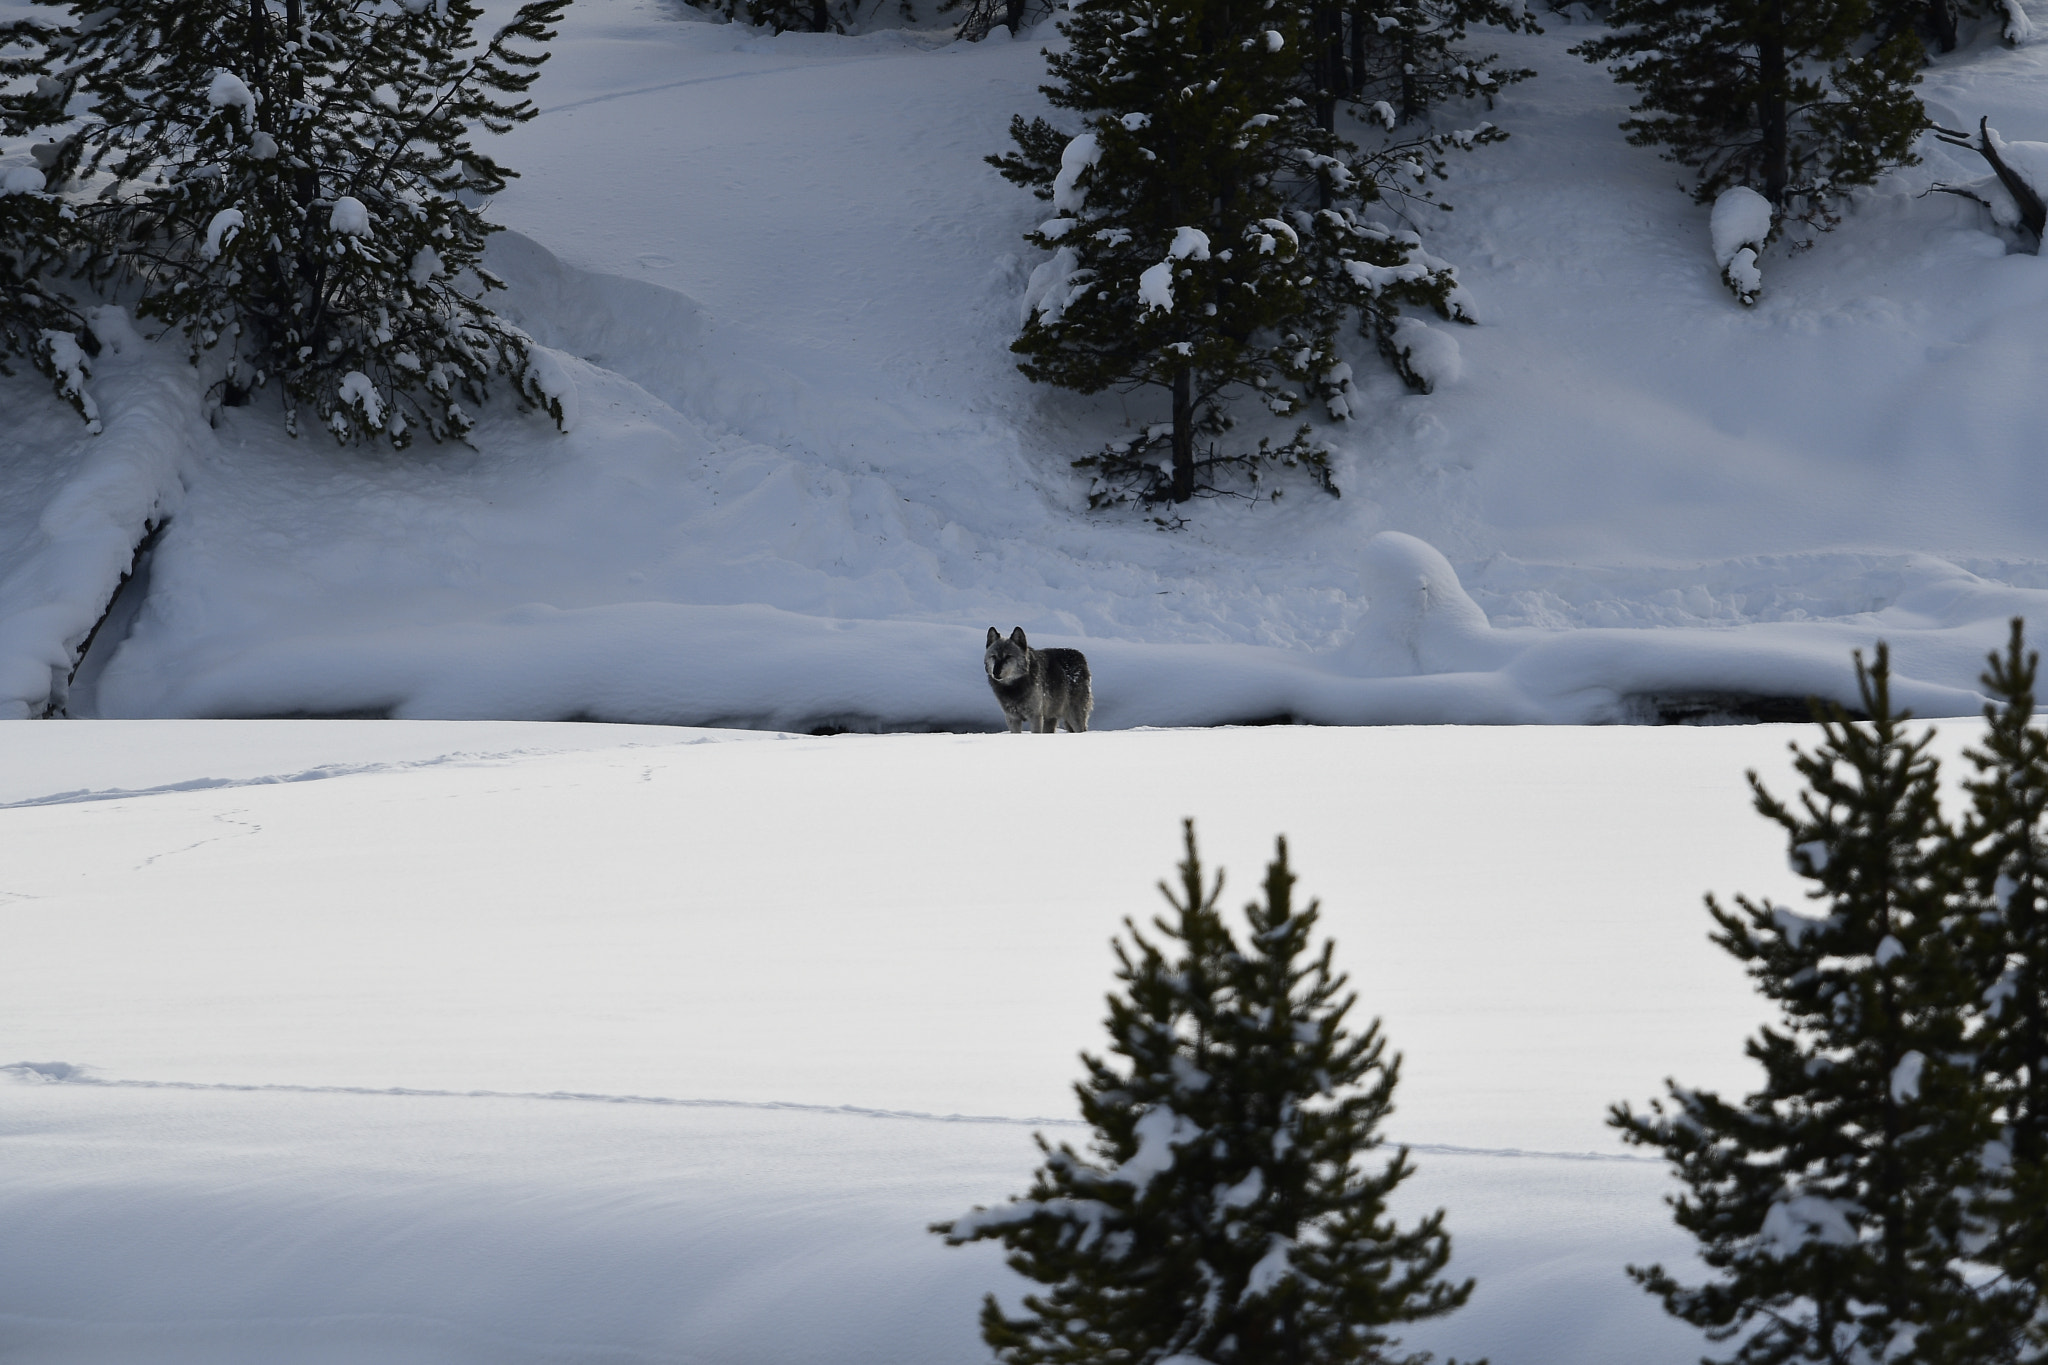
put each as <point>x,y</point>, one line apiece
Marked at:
<point>295,183</point>
<point>1227,1210</point>
<point>1831,1204</point>
<point>1182,256</point>
<point>1786,97</point>
<point>2004,846</point>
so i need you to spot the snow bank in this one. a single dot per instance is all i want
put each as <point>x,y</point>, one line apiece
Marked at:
<point>93,496</point>
<point>1423,654</point>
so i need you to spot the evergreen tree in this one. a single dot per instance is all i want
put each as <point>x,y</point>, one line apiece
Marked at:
<point>1226,1211</point>
<point>2005,845</point>
<point>1788,99</point>
<point>1182,258</point>
<point>37,321</point>
<point>785,16</point>
<point>294,181</point>
<point>1397,60</point>
<point>1831,1203</point>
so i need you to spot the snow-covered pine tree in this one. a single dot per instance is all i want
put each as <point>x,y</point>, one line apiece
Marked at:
<point>1226,1212</point>
<point>37,321</point>
<point>296,180</point>
<point>1183,257</point>
<point>1831,1203</point>
<point>1790,100</point>
<point>2005,846</point>
<point>1397,60</point>
<point>1174,262</point>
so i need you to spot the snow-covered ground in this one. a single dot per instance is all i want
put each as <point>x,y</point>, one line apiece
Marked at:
<point>428,1041</point>
<point>804,476</point>
<point>499,1042</point>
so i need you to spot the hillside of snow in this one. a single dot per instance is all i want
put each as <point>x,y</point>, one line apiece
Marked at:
<point>489,1044</point>
<point>803,475</point>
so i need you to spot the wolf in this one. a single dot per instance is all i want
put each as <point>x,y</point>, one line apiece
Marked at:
<point>1043,686</point>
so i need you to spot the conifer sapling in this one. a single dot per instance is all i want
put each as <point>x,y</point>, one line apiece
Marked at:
<point>1227,1209</point>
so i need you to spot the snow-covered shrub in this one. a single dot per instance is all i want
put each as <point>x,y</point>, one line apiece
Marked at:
<point>1228,1211</point>
<point>1833,1206</point>
<point>293,185</point>
<point>1742,223</point>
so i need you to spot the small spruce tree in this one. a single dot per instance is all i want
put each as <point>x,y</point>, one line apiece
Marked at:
<point>1227,1210</point>
<point>1831,1204</point>
<point>1788,99</point>
<point>2004,845</point>
<point>295,183</point>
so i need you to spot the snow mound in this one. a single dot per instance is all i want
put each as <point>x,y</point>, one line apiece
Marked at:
<point>1741,224</point>
<point>61,569</point>
<point>1431,352</point>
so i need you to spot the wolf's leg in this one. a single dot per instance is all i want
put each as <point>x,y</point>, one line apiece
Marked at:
<point>1015,720</point>
<point>1046,724</point>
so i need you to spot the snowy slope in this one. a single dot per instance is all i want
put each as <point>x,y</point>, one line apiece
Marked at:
<point>804,475</point>
<point>421,1041</point>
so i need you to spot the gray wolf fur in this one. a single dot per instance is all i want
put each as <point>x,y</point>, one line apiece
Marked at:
<point>1043,686</point>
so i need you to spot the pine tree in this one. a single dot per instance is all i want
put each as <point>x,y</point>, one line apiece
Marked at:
<point>1373,72</point>
<point>294,181</point>
<point>791,16</point>
<point>1181,257</point>
<point>1788,99</point>
<point>2005,847</point>
<point>1397,60</point>
<point>1831,1203</point>
<point>1226,1211</point>
<point>37,320</point>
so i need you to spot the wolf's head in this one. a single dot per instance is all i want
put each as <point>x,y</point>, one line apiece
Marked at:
<point>1006,661</point>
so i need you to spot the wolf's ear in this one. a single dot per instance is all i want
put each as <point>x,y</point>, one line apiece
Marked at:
<point>1017,638</point>
<point>994,635</point>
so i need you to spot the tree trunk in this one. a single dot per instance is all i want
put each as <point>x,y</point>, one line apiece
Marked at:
<point>1013,15</point>
<point>1183,435</point>
<point>1771,112</point>
<point>1354,86</point>
<point>1411,94</point>
<point>1326,69</point>
<point>1941,21</point>
<point>2033,212</point>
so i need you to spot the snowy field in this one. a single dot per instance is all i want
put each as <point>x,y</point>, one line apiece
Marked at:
<point>422,1041</point>
<point>804,475</point>
<point>466,1038</point>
